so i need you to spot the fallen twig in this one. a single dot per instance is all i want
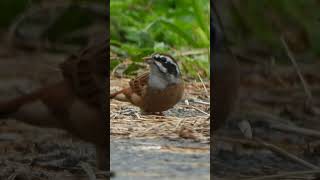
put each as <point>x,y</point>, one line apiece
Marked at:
<point>293,60</point>
<point>204,86</point>
<point>287,154</point>
<point>297,130</point>
<point>274,148</point>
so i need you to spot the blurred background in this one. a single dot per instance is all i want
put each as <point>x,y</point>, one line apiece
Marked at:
<point>258,26</point>
<point>57,25</point>
<point>274,127</point>
<point>142,27</point>
<point>35,37</point>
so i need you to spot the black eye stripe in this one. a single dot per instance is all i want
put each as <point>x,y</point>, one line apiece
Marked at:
<point>172,69</point>
<point>160,69</point>
<point>168,63</point>
<point>161,58</point>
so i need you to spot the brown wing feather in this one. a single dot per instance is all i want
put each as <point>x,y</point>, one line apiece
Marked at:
<point>87,72</point>
<point>137,84</point>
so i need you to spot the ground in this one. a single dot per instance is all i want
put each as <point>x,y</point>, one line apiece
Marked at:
<point>173,146</point>
<point>275,129</point>
<point>274,107</point>
<point>142,147</point>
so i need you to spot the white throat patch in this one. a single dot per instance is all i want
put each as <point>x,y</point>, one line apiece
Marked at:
<point>157,82</point>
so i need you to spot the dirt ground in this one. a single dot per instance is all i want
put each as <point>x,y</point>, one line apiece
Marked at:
<point>274,131</point>
<point>173,146</point>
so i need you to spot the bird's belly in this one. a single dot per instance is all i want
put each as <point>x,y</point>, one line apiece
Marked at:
<point>158,101</point>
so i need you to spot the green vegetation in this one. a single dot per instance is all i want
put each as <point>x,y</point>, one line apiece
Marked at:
<point>178,27</point>
<point>10,9</point>
<point>266,21</point>
<point>58,22</point>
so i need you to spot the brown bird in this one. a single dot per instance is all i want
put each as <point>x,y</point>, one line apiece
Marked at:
<point>76,104</point>
<point>157,90</point>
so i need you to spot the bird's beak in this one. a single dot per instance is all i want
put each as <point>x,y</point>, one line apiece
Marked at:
<point>148,59</point>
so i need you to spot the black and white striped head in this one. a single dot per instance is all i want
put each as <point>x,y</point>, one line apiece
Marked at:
<point>164,71</point>
<point>163,63</point>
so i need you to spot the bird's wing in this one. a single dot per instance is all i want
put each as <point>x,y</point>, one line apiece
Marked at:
<point>87,71</point>
<point>139,83</point>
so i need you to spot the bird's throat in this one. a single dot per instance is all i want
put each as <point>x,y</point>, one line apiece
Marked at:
<point>157,82</point>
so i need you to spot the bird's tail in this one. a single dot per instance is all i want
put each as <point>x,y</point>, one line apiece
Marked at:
<point>120,95</point>
<point>113,95</point>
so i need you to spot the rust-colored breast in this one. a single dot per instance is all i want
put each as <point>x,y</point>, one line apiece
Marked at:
<point>158,101</point>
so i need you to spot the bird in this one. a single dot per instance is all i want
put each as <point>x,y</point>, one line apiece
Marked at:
<point>157,90</point>
<point>77,103</point>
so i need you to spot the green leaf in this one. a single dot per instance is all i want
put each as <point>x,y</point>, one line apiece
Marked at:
<point>182,34</point>
<point>203,22</point>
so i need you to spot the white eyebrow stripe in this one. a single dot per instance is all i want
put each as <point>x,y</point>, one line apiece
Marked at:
<point>177,69</point>
<point>162,68</point>
<point>168,59</point>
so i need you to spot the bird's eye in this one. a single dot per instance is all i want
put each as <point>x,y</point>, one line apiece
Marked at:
<point>164,59</point>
